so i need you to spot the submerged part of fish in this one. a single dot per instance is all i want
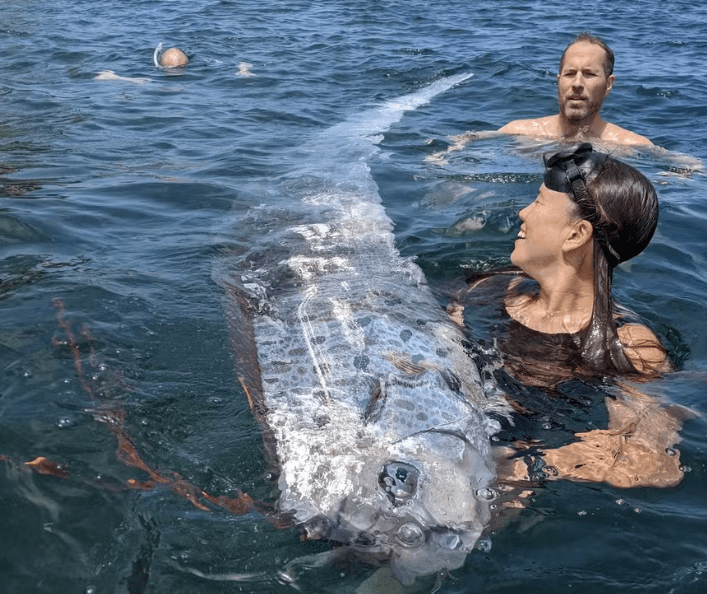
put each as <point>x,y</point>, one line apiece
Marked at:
<point>374,413</point>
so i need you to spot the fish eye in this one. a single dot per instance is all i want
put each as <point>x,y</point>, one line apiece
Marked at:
<point>399,481</point>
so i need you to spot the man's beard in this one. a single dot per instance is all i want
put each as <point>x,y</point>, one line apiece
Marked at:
<point>575,114</point>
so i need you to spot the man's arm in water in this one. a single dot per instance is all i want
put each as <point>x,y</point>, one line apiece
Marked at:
<point>458,142</point>
<point>614,139</point>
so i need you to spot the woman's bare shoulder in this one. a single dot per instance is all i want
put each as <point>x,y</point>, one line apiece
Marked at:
<point>643,348</point>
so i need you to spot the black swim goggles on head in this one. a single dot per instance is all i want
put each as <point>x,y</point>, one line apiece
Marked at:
<point>567,171</point>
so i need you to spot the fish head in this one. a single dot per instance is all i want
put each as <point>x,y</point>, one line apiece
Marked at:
<point>417,486</point>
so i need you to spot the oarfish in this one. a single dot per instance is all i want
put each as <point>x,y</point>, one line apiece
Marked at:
<point>374,414</point>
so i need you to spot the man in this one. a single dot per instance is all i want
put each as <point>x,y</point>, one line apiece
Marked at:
<point>583,82</point>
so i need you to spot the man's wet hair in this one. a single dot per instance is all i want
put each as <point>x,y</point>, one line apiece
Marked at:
<point>587,37</point>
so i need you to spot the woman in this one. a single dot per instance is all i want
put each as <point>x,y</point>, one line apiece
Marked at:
<point>592,212</point>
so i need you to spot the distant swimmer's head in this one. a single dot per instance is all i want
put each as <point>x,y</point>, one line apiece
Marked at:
<point>617,199</point>
<point>173,58</point>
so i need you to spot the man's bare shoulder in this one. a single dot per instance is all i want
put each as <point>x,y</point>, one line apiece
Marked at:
<point>546,126</point>
<point>553,127</point>
<point>618,135</point>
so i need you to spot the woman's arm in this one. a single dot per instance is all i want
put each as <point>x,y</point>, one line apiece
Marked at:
<point>637,449</point>
<point>455,308</point>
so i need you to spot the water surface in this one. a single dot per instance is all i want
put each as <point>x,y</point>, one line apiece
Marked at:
<point>117,198</point>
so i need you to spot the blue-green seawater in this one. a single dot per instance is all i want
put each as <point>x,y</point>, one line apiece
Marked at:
<point>116,199</point>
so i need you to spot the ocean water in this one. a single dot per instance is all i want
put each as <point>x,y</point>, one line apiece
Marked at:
<point>121,200</point>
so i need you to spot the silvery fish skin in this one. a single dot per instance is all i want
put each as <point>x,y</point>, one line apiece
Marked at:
<point>373,410</point>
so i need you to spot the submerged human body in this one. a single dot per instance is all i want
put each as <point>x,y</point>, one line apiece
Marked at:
<point>591,213</point>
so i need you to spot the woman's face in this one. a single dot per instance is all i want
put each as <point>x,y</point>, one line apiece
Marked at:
<point>544,226</point>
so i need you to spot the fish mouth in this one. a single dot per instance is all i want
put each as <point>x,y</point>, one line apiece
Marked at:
<point>412,550</point>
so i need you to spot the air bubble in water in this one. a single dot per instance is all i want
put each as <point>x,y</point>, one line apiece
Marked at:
<point>484,544</point>
<point>487,494</point>
<point>451,541</point>
<point>411,535</point>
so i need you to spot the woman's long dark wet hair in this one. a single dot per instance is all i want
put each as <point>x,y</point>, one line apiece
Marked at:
<point>622,206</point>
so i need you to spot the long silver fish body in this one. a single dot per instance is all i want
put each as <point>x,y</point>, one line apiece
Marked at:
<point>375,414</point>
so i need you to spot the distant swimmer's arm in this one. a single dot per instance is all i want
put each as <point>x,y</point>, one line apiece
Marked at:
<point>110,75</point>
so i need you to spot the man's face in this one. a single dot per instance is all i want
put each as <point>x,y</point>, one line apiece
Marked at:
<point>582,83</point>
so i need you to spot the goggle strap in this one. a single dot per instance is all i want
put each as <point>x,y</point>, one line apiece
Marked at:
<point>579,189</point>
